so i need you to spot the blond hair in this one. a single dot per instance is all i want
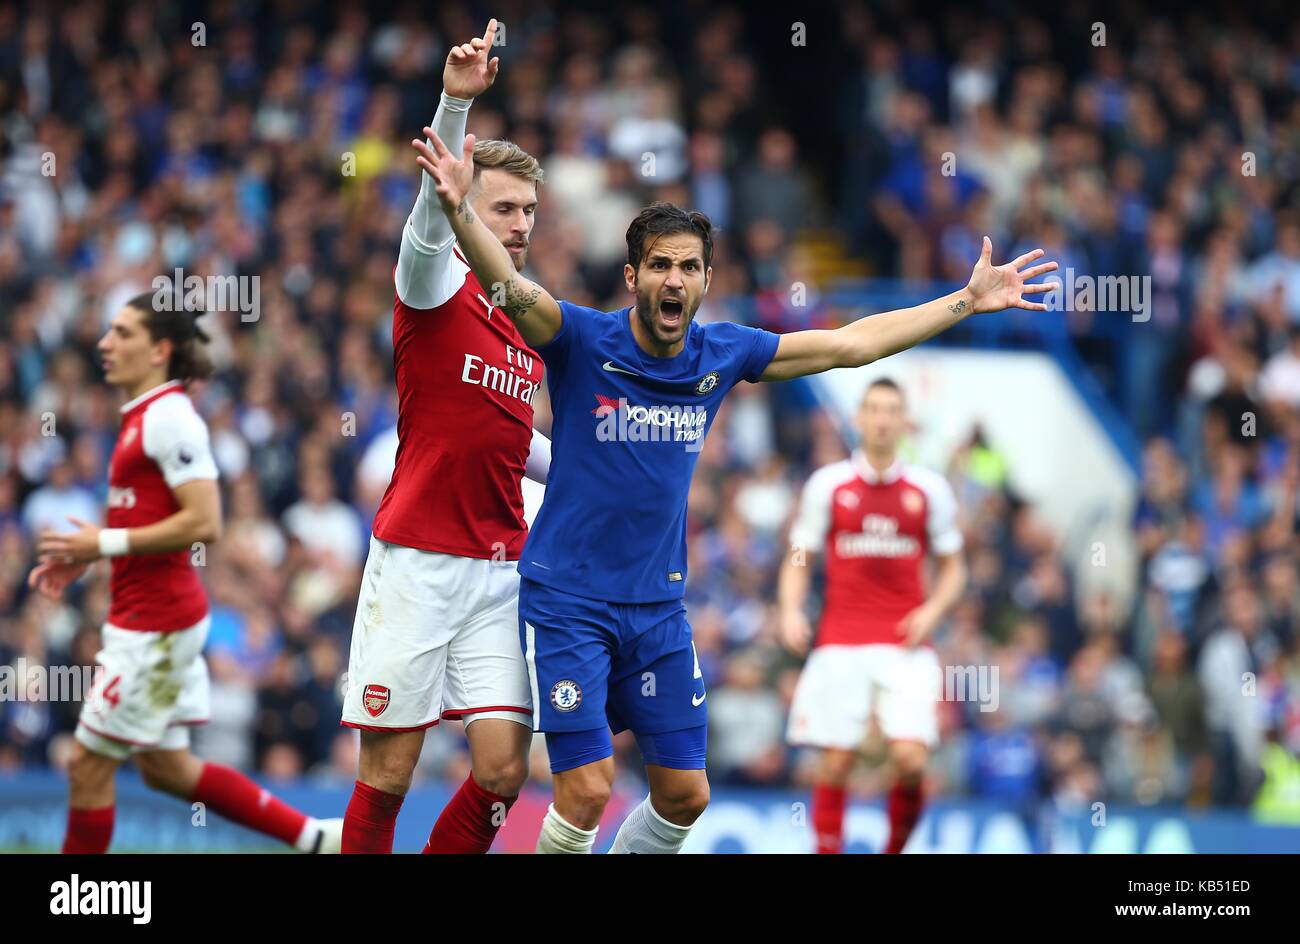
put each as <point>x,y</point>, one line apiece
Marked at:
<point>506,156</point>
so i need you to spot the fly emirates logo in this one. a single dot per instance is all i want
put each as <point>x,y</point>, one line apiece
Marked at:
<point>879,537</point>
<point>511,380</point>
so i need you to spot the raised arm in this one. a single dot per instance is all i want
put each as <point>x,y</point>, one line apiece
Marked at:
<point>528,304</point>
<point>425,277</point>
<point>991,288</point>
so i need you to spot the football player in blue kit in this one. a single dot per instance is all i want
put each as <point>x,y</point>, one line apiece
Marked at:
<point>633,393</point>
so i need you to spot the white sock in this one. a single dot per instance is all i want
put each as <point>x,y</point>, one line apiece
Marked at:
<point>558,836</point>
<point>645,832</point>
<point>306,840</point>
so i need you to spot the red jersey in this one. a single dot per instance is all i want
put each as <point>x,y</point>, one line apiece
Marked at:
<point>876,530</point>
<point>465,386</point>
<point>163,443</point>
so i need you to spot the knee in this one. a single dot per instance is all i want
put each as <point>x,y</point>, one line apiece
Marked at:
<point>82,765</point>
<point>909,762</point>
<point>684,803</point>
<point>835,767</point>
<point>503,776</point>
<point>581,799</point>
<point>157,772</point>
<point>390,774</point>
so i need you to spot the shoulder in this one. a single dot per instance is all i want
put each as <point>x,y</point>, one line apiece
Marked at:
<point>932,483</point>
<point>830,477</point>
<point>173,413</point>
<point>584,316</point>
<point>169,420</point>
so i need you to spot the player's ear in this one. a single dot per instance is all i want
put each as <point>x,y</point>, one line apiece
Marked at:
<point>708,279</point>
<point>162,352</point>
<point>629,276</point>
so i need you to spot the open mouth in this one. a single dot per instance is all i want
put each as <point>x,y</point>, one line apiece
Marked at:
<point>670,311</point>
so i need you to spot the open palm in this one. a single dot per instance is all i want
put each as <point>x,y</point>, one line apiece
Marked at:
<point>994,288</point>
<point>452,176</point>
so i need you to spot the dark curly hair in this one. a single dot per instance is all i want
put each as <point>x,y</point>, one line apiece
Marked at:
<point>665,219</point>
<point>189,360</point>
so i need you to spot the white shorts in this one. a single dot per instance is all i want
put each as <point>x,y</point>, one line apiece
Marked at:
<point>842,686</point>
<point>151,688</point>
<point>435,637</point>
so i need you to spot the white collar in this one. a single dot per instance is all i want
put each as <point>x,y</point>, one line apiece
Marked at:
<point>131,405</point>
<point>869,474</point>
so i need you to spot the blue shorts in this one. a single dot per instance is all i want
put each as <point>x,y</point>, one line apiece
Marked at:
<point>594,665</point>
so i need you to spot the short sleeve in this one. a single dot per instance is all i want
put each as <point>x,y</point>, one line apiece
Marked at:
<point>761,349</point>
<point>556,351</point>
<point>176,439</point>
<point>941,512</point>
<point>812,523</point>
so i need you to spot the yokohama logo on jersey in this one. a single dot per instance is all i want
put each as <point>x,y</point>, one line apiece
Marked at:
<point>879,537</point>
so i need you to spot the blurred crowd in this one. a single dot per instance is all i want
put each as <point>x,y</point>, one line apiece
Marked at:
<point>231,139</point>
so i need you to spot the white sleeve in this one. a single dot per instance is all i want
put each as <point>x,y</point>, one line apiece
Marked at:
<point>812,522</point>
<point>176,438</point>
<point>426,276</point>
<point>941,511</point>
<point>539,458</point>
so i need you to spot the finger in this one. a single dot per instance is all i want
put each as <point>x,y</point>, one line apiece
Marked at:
<point>34,578</point>
<point>79,523</point>
<point>457,55</point>
<point>1026,258</point>
<point>1030,306</point>
<point>1039,287</point>
<point>435,142</point>
<point>986,253</point>
<point>1036,271</point>
<point>490,33</point>
<point>422,148</point>
<point>478,44</point>
<point>467,49</point>
<point>469,149</point>
<point>493,66</point>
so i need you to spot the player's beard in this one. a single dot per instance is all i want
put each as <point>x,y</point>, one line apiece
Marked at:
<point>647,312</point>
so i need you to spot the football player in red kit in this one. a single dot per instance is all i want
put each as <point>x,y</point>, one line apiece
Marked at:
<point>876,520</point>
<point>152,686</point>
<point>436,633</point>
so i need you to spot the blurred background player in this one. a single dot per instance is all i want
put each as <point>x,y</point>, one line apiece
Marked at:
<point>602,620</point>
<point>435,635</point>
<point>876,520</point>
<point>163,502</point>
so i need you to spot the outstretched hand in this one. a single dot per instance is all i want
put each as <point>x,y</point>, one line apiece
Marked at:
<point>469,72</point>
<point>994,288</point>
<point>452,177</point>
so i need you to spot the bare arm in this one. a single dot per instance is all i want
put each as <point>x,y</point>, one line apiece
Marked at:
<point>791,594</point>
<point>991,288</point>
<point>197,520</point>
<point>949,585</point>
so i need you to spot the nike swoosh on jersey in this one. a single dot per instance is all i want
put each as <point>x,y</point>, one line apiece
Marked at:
<point>609,366</point>
<point>697,700</point>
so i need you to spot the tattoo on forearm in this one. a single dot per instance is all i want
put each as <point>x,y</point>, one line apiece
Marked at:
<point>519,298</point>
<point>465,212</point>
<point>958,306</point>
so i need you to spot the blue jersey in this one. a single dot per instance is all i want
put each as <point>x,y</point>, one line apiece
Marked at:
<point>628,428</point>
